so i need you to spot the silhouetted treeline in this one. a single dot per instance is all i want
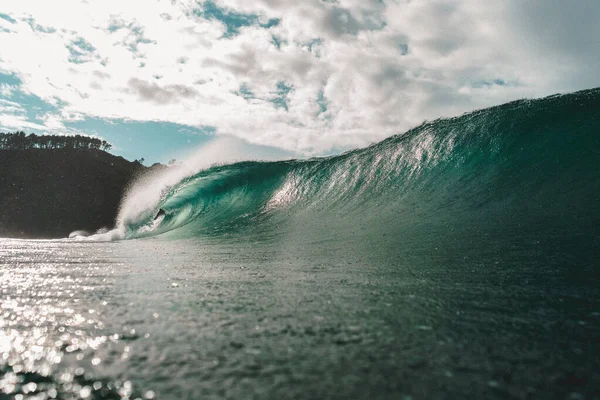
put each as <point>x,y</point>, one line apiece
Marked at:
<point>21,141</point>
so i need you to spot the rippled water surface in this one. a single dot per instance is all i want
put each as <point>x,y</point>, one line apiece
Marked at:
<point>253,319</point>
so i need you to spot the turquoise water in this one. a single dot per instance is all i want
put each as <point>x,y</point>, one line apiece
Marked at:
<point>456,261</point>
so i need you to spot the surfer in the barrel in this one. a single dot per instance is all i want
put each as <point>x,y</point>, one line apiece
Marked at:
<point>161,213</point>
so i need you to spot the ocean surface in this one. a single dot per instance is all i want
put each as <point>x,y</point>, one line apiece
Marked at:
<point>457,260</point>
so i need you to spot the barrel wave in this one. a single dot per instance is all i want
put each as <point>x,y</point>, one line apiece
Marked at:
<point>529,169</point>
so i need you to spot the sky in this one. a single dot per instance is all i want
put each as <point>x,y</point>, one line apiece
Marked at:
<point>311,77</point>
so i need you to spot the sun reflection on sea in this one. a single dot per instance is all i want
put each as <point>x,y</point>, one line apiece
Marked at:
<point>53,341</point>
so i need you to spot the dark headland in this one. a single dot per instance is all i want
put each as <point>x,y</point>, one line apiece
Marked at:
<point>53,185</point>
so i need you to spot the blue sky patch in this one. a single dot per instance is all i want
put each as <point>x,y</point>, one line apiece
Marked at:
<point>232,20</point>
<point>10,79</point>
<point>277,41</point>
<point>322,102</point>
<point>34,107</point>
<point>315,42</point>
<point>136,34</point>
<point>403,47</point>
<point>7,18</point>
<point>37,27</point>
<point>280,100</point>
<point>80,51</point>
<point>245,92</point>
<point>139,38</point>
<point>134,140</point>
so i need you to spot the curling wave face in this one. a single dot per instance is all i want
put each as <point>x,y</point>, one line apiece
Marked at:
<point>526,166</point>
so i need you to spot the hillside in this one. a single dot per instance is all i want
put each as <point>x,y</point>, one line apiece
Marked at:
<point>48,193</point>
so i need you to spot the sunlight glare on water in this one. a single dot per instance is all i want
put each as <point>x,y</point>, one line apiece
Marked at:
<point>53,341</point>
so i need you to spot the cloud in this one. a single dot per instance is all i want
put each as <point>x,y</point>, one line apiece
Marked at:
<point>307,76</point>
<point>147,91</point>
<point>12,122</point>
<point>341,21</point>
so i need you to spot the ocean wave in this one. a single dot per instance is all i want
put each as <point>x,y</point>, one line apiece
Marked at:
<point>529,164</point>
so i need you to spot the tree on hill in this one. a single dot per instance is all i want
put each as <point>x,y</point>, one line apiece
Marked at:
<point>21,141</point>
